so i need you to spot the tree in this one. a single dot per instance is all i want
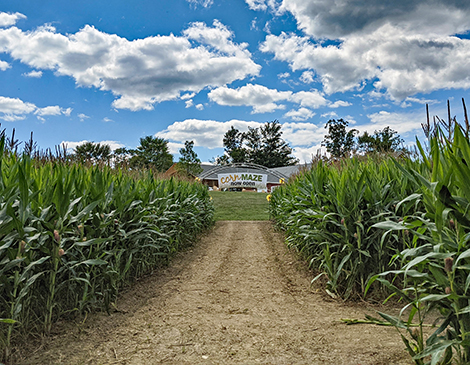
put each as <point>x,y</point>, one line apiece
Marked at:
<point>262,146</point>
<point>189,163</point>
<point>233,145</point>
<point>152,153</point>
<point>383,141</point>
<point>339,142</point>
<point>93,152</point>
<point>254,146</point>
<point>275,151</point>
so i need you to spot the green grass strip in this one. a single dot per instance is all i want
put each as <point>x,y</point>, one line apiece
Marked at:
<point>240,206</point>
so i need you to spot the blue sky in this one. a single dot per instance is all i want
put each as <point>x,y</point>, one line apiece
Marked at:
<point>115,71</point>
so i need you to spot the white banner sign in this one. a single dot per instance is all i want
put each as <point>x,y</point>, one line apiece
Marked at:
<point>242,180</point>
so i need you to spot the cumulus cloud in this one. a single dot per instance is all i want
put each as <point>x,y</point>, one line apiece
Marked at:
<point>141,72</point>
<point>341,18</point>
<point>82,117</point>
<point>34,74</point>
<point>273,5</point>
<point>107,120</point>
<point>207,133</point>
<point>200,107</point>
<point>4,65</point>
<point>262,99</point>
<point>300,114</point>
<point>402,48</point>
<point>12,109</point>
<point>307,77</point>
<point>339,103</point>
<point>400,122</point>
<point>265,100</point>
<point>8,19</point>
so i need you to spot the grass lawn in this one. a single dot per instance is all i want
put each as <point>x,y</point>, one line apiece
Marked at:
<point>240,206</point>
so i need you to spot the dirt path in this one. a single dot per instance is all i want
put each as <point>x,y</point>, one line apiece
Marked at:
<point>238,297</point>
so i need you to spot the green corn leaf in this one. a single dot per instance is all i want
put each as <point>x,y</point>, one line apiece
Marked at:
<point>436,347</point>
<point>91,262</point>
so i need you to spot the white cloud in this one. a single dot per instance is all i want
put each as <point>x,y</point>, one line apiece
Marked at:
<point>187,96</point>
<point>302,134</point>
<point>141,72</point>
<point>400,122</point>
<point>34,73</point>
<point>174,147</point>
<point>207,133</point>
<point>307,154</point>
<point>203,3</point>
<point>406,48</point>
<point>52,110</point>
<point>71,145</point>
<point>82,117</point>
<point>12,109</point>
<point>307,77</point>
<point>341,18</point>
<point>283,75</point>
<point>8,19</point>
<point>339,103</point>
<point>189,103</point>
<point>300,114</point>
<point>312,99</point>
<point>4,65</point>
<point>263,99</point>
<point>263,5</point>
<point>330,115</point>
<point>199,107</point>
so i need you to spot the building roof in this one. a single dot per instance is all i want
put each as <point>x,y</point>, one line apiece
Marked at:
<point>273,173</point>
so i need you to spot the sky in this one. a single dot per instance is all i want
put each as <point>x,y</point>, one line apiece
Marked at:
<point>112,71</point>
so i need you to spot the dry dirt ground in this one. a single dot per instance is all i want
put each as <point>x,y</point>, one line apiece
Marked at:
<point>238,296</point>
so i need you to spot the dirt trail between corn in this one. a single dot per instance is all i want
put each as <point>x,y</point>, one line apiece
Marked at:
<point>237,297</point>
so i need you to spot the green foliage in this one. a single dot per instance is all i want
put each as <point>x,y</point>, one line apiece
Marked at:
<point>436,273</point>
<point>339,142</point>
<point>263,146</point>
<point>152,153</point>
<point>328,214</point>
<point>92,152</point>
<point>384,141</point>
<point>72,237</point>
<point>189,163</point>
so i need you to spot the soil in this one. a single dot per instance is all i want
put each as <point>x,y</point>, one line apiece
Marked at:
<point>238,296</point>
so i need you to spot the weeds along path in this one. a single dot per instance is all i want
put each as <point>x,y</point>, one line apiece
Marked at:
<point>238,297</point>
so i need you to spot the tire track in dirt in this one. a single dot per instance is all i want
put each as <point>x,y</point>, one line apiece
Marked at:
<point>239,297</point>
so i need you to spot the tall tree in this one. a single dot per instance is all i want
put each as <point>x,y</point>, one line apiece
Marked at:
<point>189,163</point>
<point>275,151</point>
<point>233,145</point>
<point>262,146</point>
<point>384,141</point>
<point>152,153</point>
<point>339,142</point>
<point>254,146</point>
<point>93,152</point>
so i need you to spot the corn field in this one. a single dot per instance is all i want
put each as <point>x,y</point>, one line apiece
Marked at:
<point>328,214</point>
<point>71,237</point>
<point>397,228</point>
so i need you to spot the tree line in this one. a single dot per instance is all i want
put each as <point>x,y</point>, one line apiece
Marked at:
<point>263,146</point>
